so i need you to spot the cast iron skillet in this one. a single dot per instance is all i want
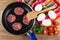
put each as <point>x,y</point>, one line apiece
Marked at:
<point>26,28</point>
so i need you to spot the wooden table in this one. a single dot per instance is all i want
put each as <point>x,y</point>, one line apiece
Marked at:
<point>4,35</point>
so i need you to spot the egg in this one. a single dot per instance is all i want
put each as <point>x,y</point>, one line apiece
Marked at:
<point>52,14</point>
<point>41,17</point>
<point>46,22</point>
<point>38,7</point>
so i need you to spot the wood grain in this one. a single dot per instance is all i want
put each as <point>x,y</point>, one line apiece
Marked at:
<point>4,35</point>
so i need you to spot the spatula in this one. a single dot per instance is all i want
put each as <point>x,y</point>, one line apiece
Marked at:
<point>33,14</point>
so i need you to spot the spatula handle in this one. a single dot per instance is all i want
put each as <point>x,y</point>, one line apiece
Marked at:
<point>47,9</point>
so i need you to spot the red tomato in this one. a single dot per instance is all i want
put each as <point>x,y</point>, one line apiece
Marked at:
<point>55,28</point>
<point>57,2</point>
<point>45,32</point>
<point>51,33</point>
<point>50,28</point>
<point>56,32</point>
<point>55,23</point>
<point>44,27</point>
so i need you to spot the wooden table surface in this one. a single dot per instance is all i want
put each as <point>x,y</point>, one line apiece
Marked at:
<point>4,35</point>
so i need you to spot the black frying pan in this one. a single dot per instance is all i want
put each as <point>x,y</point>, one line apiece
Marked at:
<point>8,26</point>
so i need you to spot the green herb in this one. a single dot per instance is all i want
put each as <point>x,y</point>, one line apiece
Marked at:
<point>38,29</point>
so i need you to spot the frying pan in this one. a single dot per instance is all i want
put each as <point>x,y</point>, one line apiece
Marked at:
<point>26,28</point>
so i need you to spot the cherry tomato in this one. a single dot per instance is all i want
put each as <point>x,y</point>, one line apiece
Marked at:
<point>50,28</point>
<point>55,28</point>
<point>44,27</point>
<point>51,33</point>
<point>45,32</point>
<point>56,32</point>
<point>55,23</point>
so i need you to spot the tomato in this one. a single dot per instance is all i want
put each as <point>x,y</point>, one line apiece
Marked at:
<point>56,32</point>
<point>57,2</point>
<point>51,33</point>
<point>44,27</point>
<point>50,28</point>
<point>55,28</point>
<point>55,23</point>
<point>45,32</point>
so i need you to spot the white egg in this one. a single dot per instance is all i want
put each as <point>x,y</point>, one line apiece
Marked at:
<point>52,14</point>
<point>46,22</point>
<point>41,17</point>
<point>38,7</point>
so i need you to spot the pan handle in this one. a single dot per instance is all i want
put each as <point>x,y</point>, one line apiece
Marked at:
<point>19,0</point>
<point>31,35</point>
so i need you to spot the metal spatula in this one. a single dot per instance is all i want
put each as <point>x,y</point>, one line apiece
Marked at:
<point>33,14</point>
